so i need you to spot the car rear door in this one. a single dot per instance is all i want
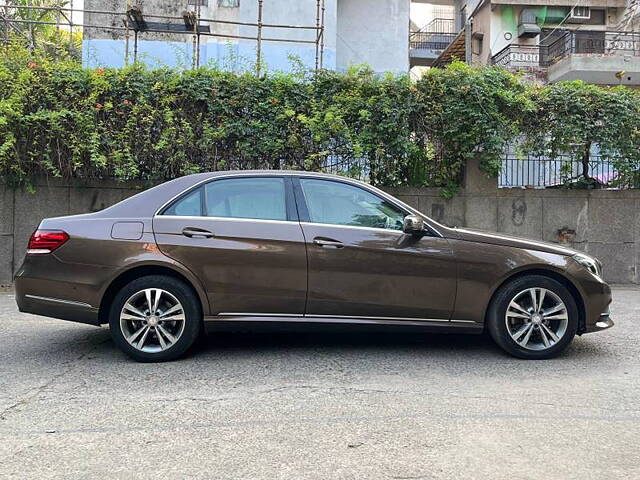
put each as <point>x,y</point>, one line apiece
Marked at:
<point>361,264</point>
<point>242,239</point>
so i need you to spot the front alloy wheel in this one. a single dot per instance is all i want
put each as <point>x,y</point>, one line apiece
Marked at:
<point>533,317</point>
<point>536,318</point>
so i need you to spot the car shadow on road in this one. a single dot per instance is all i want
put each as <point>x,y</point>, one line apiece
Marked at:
<point>221,345</point>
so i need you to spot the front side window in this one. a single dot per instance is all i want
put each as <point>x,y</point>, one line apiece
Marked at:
<point>258,198</point>
<point>342,204</point>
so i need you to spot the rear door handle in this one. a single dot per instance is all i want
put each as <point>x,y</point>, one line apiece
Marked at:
<point>321,242</point>
<point>195,232</point>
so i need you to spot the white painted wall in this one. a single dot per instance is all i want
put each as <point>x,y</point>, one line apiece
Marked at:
<point>374,32</point>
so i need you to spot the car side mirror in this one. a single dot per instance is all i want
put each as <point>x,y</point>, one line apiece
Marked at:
<point>413,225</point>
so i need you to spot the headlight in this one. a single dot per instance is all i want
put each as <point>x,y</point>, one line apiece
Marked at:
<point>589,263</point>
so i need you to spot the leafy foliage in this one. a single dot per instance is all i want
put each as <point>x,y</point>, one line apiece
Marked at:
<point>573,117</point>
<point>466,112</point>
<point>59,119</point>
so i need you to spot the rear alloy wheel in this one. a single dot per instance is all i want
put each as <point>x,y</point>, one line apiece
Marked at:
<point>155,318</point>
<point>533,317</point>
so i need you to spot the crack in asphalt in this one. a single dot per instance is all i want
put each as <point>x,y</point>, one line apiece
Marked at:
<point>68,366</point>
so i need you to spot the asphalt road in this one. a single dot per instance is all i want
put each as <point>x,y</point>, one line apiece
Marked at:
<point>318,405</point>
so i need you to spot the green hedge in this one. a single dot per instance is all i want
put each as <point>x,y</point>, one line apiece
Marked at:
<point>59,119</point>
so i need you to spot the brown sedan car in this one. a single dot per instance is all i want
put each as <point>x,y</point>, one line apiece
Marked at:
<point>269,246</point>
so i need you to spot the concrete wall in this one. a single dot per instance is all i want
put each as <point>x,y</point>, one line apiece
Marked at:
<point>21,212</point>
<point>604,223</point>
<point>375,32</point>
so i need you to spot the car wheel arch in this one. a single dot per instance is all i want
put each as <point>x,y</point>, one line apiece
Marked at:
<point>545,272</point>
<point>137,271</point>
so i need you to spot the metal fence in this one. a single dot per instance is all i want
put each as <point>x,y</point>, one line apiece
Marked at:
<point>562,172</point>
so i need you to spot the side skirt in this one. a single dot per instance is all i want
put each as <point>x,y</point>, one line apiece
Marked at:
<point>228,321</point>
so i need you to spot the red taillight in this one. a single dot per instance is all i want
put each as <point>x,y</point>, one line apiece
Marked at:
<point>46,241</point>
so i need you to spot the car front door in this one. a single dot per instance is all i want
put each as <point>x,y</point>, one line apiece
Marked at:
<point>360,262</point>
<point>241,237</point>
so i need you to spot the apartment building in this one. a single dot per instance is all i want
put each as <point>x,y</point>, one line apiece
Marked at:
<point>597,41</point>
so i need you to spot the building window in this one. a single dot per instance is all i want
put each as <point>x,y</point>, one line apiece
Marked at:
<point>202,3</point>
<point>229,3</point>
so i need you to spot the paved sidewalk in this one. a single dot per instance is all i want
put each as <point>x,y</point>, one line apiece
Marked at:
<point>318,405</point>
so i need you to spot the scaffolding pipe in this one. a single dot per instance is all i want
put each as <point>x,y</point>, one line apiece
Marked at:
<point>317,32</point>
<point>127,35</point>
<point>259,39</point>
<point>322,35</point>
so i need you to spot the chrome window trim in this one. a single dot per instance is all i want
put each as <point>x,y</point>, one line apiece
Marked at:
<point>337,225</point>
<point>240,219</point>
<point>275,173</point>
<point>58,300</point>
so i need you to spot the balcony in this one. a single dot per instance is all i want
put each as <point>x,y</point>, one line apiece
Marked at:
<point>518,57</point>
<point>426,44</point>
<point>603,58</point>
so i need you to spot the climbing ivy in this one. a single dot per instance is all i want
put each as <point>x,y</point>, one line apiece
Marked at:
<point>62,120</point>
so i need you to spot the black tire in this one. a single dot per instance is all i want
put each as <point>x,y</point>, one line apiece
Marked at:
<point>190,306</point>
<point>497,324</point>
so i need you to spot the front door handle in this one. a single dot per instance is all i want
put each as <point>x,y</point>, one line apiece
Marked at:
<point>195,232</point>
<point>321,242</point>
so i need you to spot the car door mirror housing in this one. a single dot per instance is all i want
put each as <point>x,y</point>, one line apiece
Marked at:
<point>413,225</point>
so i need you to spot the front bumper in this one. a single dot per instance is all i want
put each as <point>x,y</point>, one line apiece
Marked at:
<point>602,324</point>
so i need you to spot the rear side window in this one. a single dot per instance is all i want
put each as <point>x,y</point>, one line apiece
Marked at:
<point>259,198</point>
<point>188,206</point>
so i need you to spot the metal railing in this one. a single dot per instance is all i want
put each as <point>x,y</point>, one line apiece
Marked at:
<point>563,171</point>
<point>518,56</point>
<point>431,41</point>
<point>436,35</point>
<point>568,43</point>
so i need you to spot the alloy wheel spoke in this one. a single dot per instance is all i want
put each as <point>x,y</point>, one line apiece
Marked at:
<point>516,306</point>
<point>557,316</point>
<point>156,301</point>
<point>552,310</point>
<point>144,337</point>
<point>534,299</point>
<point>134,318</point>
<point>543,292</point>
<point>521,331</point>
<point>173,309</point>
<point>544,337</point>
<point>526,338</point>
<point>136,334</point>
<point>516,314</point>
<point>178,317</point>
<point>133,309</point>
<point>170,337</point>
<point>550,333</point>
<point>163,343</point>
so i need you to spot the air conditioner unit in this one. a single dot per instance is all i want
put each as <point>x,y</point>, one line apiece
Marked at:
<point>528,24</point>
<point>580,13</point>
